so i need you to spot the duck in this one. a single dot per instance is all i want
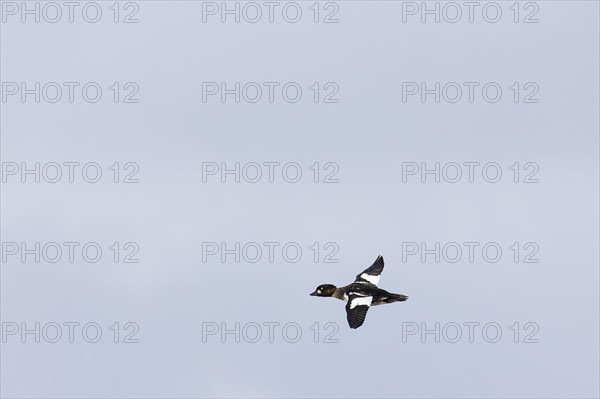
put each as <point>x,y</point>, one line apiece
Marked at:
<point>361,294</point>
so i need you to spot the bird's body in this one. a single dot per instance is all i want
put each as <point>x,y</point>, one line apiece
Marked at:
<point>361,294</point>
<point>379,295</point>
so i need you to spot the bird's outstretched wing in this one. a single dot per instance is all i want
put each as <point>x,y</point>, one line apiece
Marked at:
<point>356,309</point>
<point>372,274</point>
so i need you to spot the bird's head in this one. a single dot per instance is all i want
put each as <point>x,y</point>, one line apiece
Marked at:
<point>324,290</point>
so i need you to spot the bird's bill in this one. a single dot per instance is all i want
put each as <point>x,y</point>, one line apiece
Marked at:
<point>314,293</point>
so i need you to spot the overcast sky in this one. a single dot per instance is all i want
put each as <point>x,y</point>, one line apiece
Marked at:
<point>513,298</point>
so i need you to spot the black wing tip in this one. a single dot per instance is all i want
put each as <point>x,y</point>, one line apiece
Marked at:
<point>378,264</point>
<point>355,324</point>
<point>356,317</point>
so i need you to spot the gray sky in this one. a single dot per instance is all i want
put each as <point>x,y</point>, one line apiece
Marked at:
<point>365,129</point>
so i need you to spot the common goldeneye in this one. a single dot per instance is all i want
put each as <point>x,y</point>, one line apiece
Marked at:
<point>361,294</point>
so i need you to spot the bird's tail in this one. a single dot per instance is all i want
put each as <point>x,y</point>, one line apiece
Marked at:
<point>400,297</point>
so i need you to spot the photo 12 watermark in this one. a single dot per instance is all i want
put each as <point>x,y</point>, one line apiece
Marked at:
<point>490,332</point>
<point>270,92</point>
<point>270,172</point>
<point>469,252</point>
<point>271,332</point>
<point>470,92</point>
<point>69,172</point>
<point>69,92</point>
<point>270,12</point>
<point>71,332</point>
<point>268,251</point>
<point>470,172</point>
<point>471,12</point>
<point>69,12</point>
<point>69,252</point>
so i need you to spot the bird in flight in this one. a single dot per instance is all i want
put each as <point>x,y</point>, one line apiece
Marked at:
<point>361,294</point>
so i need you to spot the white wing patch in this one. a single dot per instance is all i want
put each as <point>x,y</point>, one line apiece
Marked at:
<point>370,278</point>
<point>361,301</point>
